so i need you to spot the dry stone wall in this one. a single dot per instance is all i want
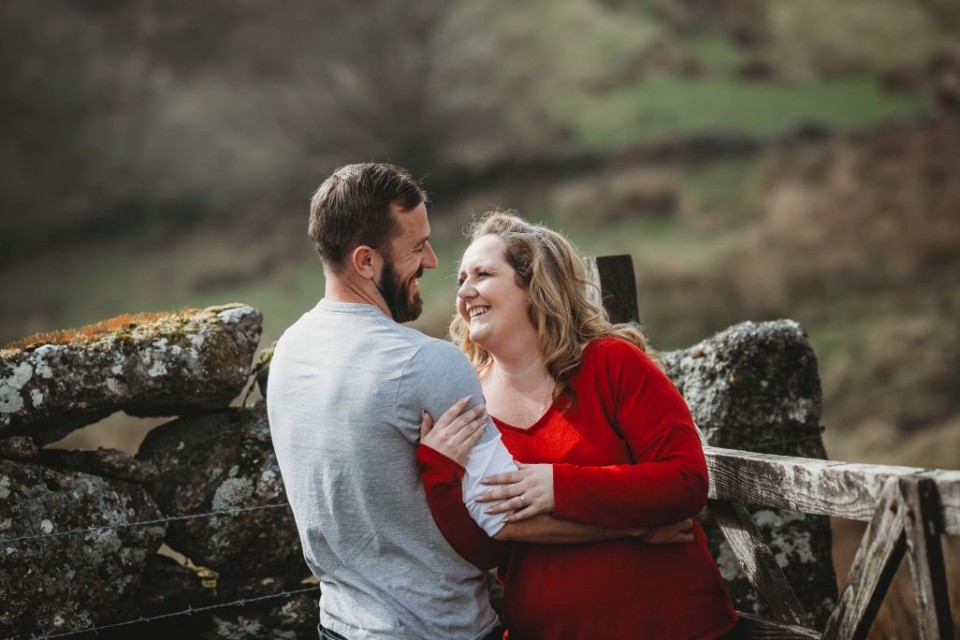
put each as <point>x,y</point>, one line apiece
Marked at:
<point>216,463</point>
<point>60,582</point>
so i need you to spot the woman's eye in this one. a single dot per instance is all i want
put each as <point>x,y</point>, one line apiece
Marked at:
<point>476,276</point>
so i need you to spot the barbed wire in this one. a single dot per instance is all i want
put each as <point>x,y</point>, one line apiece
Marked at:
<point>143,523</point>
<point>190,610</point>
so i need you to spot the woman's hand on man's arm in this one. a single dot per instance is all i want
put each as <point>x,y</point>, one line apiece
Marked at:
<point>456,431</point>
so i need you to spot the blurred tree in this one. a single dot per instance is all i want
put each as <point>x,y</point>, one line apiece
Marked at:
<point>945,13</point>
<point>59,104</point>
<point>350,80</point>
<point>818,37</point>
<point>164,113</point>
<point>127,113</point>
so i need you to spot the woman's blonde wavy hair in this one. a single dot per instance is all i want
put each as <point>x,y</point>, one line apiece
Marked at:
<point>548,266</point>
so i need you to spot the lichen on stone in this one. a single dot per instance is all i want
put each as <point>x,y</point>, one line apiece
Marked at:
<point>151,365</point>
<point>233,493</point>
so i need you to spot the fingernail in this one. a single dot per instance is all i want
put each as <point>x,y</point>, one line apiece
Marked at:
<point>466,398</point>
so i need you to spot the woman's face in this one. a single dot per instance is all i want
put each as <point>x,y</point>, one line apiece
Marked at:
<point>489,299</point>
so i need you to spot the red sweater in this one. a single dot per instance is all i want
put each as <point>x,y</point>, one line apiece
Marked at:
<point>626,454</point>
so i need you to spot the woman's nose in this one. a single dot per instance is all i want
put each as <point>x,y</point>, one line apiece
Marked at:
<point>466,290</point>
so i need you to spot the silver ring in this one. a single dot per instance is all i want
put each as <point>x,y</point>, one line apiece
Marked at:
<point>523,501</point>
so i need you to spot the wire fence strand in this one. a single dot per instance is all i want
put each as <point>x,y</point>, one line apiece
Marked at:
<point>242,602</point>
<point>143,523</point>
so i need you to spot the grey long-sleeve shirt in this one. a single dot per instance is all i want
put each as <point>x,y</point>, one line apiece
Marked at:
<point>346,389</point>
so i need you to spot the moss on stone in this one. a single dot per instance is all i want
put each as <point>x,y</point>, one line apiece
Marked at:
<point>120,326</point>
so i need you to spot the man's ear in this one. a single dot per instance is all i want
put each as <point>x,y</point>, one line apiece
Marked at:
<point>366,261</point>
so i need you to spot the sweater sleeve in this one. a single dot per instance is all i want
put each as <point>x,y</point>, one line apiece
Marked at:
<point>667,481</point>
<point>443,481</point>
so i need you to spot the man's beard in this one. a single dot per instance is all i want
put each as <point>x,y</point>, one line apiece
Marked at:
<point>397,294</point>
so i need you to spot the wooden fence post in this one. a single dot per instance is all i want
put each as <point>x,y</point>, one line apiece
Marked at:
<point>923,527</point>
<point>615,278</point>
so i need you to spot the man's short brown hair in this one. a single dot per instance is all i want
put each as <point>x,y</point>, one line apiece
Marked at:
<point>353,207</point>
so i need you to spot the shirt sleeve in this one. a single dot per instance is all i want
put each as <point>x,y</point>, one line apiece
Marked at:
<point>488,457</point>
<point>436,378</point>
<point>442,482</point>
<point>668,480</point>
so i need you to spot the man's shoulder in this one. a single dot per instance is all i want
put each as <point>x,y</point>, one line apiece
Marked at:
<point>436,352</point>
<point>436,375</point>
<point>332,321</point>
<point>361,328</point>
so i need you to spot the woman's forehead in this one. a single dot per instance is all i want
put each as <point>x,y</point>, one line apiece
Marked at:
<point>485,249</point>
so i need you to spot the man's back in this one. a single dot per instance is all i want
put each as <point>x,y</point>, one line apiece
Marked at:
<point>347,387</point>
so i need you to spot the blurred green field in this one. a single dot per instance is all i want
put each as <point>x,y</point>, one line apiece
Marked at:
<point>86,283</point>
<point>670,106</point>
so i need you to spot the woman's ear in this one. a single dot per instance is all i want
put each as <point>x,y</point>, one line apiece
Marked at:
<point>366,261</point>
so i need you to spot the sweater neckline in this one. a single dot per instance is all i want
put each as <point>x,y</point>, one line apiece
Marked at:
<point>542,420</point>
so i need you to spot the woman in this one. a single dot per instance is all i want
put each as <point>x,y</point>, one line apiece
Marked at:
<point>603,438</point>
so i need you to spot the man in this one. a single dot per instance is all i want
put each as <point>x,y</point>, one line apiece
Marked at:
<point>348,388</point>
<point>348,385</point>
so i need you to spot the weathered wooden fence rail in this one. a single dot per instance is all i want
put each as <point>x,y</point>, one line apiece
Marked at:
<point>908,509</point>
<point>824,487</point>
